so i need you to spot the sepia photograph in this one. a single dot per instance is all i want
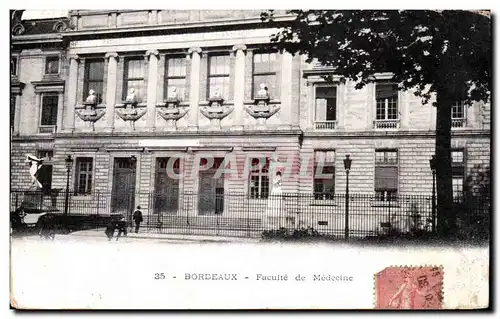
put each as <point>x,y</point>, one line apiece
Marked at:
<point>250,159</point>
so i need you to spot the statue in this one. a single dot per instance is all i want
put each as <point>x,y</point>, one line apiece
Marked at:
<point>216,94</point>
<point>92,98</point>
<point>173,94</point>
<point>35,164</point>
<point>263,93</point>
<point>131,97</point>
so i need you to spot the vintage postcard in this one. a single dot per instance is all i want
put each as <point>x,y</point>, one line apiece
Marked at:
<point>250,159</point>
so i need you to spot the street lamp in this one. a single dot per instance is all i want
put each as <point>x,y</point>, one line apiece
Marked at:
<point>347,167</point>
<point>69,163</point>
<point>432,163</point>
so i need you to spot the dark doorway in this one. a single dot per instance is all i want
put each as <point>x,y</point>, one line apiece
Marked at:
<point>211,190</point>
<point>166,195</point>
<point>123,195</point>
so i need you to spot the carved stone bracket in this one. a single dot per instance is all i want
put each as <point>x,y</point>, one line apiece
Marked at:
<point>130,113</point>
<point>62,25</point>
<point>172,111</point>
<point>18,29</point>
<point>261,110</point>
<point>90,113</point>
<point>216,111</point>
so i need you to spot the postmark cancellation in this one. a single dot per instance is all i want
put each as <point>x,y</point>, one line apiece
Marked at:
<point>409,287</point>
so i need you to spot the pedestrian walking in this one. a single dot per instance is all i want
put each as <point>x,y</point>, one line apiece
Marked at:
<point>122,228</point>
<point>110,229</point>
<point>137,218</point>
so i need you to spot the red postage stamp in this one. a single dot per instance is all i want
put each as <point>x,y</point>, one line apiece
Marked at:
<point>409,288</point>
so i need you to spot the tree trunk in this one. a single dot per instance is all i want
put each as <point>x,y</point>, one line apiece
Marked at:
<point>445,218</point>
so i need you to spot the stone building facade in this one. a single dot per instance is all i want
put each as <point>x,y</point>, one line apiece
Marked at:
<point>120,142</point>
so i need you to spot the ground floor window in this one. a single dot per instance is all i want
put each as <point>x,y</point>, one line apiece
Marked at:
<point>458,172</point>
<point>84,167</point>
<point>259,178</point>
<point>386,175</point>
<point>324,174</point>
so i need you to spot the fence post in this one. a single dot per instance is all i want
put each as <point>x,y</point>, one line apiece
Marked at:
<point>247,214</point>
<point>346,230</point>
<point>97,208</point>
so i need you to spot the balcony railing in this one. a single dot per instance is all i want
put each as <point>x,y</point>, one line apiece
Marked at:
<point>458,122</point>
<point>325,125</point>
<point>386,124</point>
<point>46,129</point>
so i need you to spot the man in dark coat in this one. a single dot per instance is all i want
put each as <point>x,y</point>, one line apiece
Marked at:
<point>137,218</point>
<point>110,229</point>
<point>122,228</point>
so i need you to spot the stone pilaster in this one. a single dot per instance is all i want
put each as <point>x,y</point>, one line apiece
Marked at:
<point>17,115</point>
<point>152,55</point>
<point>36,118</point>
<point>72,91</point>
<point>194,87</point>
<point>404,109</point>
<point>60,107</point>
<point>286,88</point>
<point>111,90</point>
<point>239,85</point>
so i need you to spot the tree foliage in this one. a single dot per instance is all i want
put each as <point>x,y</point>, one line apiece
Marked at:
<point>446,54</point>
<point>423,49</point>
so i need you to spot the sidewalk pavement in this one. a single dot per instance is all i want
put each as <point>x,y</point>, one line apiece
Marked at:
<point>99,233</point>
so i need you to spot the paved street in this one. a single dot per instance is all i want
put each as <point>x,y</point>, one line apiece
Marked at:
<point>98,236</point>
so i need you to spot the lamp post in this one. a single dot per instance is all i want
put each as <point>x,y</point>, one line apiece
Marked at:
<point>432,163</point>
<point>133,163</point>
<point>347,167</point>
<point>69,163</point>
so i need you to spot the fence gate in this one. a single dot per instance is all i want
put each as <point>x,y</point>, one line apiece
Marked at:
<point>123,196</point>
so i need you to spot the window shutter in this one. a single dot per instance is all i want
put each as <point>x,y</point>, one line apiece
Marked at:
<point>320,110</point>
<point>325,157</point>
<point>385,91</point>
<point>386,177</point>
<point>326,92</point>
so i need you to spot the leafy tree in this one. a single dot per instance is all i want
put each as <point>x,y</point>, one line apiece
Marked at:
<point>446,54</point>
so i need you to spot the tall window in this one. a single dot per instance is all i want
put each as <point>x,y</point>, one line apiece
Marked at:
<point>13,66</point>
<point>386,96</point>
<point>259,178</point>
<point>83,184</point>
<point>265,66</point>
<point>326,103</point>
<point>12,109</point>
<point>218,75</point>
<point>52,65</point>
<point>458,114</point>
<point>324,174</point>
<point>175,76</point>
<point>386,174</point>
<point>134,77</point>
<point>94,78</point>
<point>458,172</point>
<point>166,197</point>
<point>49,110</point>
<point>44,174</point>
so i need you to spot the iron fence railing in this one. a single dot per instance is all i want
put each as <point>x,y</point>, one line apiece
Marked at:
<point>234,214</point>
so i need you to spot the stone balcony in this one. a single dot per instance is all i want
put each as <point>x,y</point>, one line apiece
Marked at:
<point>325,125</point>
<point>386,124</point>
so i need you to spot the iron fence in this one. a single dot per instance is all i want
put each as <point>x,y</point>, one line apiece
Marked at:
<point>233,214</point>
